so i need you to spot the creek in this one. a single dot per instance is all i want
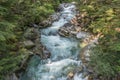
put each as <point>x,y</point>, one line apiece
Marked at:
<point>64,52</point>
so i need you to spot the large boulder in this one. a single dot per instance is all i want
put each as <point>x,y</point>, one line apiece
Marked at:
<point>29,44</point>
<point>63,32</point>
<point>67,30</point>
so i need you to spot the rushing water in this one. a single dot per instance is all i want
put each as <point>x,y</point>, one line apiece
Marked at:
<point>63,50</point>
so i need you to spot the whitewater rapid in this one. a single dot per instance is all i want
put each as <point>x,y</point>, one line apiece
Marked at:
<point>63,50</point>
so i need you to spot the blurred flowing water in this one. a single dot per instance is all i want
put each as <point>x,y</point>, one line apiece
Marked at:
<point>63,50</point>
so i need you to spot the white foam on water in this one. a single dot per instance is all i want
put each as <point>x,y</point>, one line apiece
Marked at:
<point>79,77</point>
<point>60,47</point>
<point>55,70</point>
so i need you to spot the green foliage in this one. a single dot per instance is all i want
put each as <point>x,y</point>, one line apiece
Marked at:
<point>33,13</point>
<point>6,29</point>
<point>105,18</point>
<point>104,15</point>
<point>36,14</point>
<point>11,63</point>
<point>15,17</point>
<point>103,62</point>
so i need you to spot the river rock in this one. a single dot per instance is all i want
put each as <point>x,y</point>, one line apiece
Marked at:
<point>82,35</point>
<point>74,3</point>
<point>55,17</point>
<point>35,25</point>
<point>90,71</point>
<point>29,44</point>
<point>67,30</point>
<point>30,34</point>
<point>79,69</point>
<point>46,53</point>
<point>63,32</point>
<point>90,77</point>
<point>70,75</point>
<point>45,23</point>
<point>71,29</point>
<point>85,74</point>
<point>61,7</point>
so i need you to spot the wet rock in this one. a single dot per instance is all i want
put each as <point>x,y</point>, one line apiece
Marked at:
<point>87,59</point>
<point>79,69</point>
<point>35,25</point>
<point>55,17</point>
<point>63,32</point>
<point>85,74</point>
<point>29,44</point>
<point>46,53</point>
<point>45,23</point>
<point>70,75</point>
<point>71,29</point>
<point>61,7</point>
<point>90,77</point>
<point>74,3</point>
<point>67,30</point>
<point>66,5</point>
<point>38,47</point>
<point>82,35</point>
<point>74,21</point>
<point>90,71</point>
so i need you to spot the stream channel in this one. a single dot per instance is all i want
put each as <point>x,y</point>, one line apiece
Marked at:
<point>64,52</point>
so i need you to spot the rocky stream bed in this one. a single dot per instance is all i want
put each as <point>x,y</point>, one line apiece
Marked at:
<point>58,48</point>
